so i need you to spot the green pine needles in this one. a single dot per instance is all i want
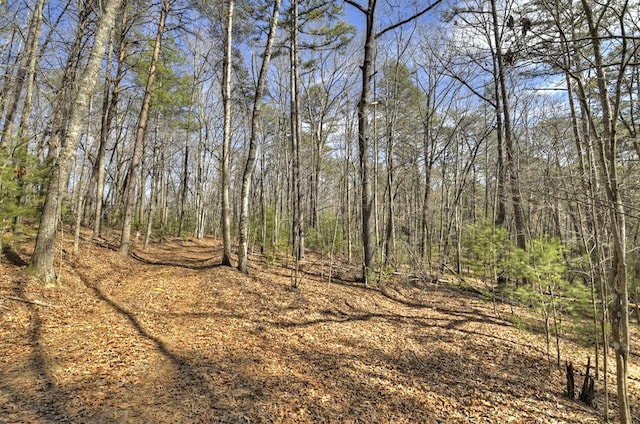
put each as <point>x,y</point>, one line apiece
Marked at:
<point>541,278</point>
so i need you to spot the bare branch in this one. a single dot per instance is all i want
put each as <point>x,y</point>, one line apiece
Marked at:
<point>357,6</point>
<point>33,302</point>
<point>404,21</point>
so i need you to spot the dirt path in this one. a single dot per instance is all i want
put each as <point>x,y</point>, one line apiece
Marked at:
<point>170,337</point>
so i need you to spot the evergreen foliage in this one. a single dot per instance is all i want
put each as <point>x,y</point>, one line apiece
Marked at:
<point>21,178</point>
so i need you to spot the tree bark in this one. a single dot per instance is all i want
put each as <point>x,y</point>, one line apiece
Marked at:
<point>226,140</point>
<point>364,146</point>
<point>504,110</point>
<point>606,148</point>
<point>184,189</point>
<point>143,120</point>
<point>297,223</point>
<point>41,264</point>
<point>247,175</point>
<point>27,65</point>
<point>107,118</point>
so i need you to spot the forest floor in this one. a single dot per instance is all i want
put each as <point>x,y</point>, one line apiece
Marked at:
<point>168,336</point>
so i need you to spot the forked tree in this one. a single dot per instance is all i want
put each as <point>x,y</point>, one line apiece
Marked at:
<point>364,136</point>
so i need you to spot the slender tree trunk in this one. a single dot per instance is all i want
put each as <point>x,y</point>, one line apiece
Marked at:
<point>5,84</point>
<point>27,65</point>
<point>78,207</point>
<point>425,245</point>
<point>247,175</point>
<point>65,96</point>
<point>297,227</point>
<point>153,201</point>
<point>364,144</point>
<point>200,191</point>
<point>226,140</point>
<point>504,110</point>
<point>106,101</point>
<point>606,148</point>
<point>108,116</point>
<point>21,154</point>
<point>140,134</point>
<point>109,107</point>
<point>184,189</point>
<point>41,263</point>
<point>390,236</point>
<point>263,205</point>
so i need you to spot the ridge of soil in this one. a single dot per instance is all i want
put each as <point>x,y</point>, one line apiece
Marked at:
<point>168,336</point>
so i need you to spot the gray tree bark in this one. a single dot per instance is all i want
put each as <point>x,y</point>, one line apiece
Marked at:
<point>141,131</point>
<point>41,264</point>
<point>364,142</point>
<point>226,139</point>
<point>247,175</point>
<point>606,149</point>
<point>26,66</point>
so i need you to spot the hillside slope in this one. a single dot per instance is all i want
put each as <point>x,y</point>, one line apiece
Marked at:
<point>169,336</point>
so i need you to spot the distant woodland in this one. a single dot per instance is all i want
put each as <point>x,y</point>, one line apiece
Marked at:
<point>488,140</point>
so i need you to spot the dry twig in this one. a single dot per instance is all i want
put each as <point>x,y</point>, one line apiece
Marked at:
<point>33,302</point>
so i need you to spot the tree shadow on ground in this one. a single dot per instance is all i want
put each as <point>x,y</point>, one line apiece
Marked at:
<point>13,256</point>
<point>191,263</point>
<point>42,400</point>
<point>302,361</point>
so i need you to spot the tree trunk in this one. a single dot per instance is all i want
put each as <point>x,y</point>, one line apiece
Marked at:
<point>184,189</point>
<point>606,148</point>
<point>390,233</point>
<point>56,125</point>
<point>226,140</point>
<point>79,187</point>
<point>153,201</point>
<point>364,147</point>
<point>41,263</point>
<point>27,65</point>
<point>297,223</point>
<point>140,135</point>
<point>243,249</point>
<point>109,106</point>
<point>504,112</point>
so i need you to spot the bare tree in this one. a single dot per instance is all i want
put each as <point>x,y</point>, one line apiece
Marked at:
<point>297,227</point>
<point>226,138</point>
<point>41,263</point>
<point>243,249</point>
<point>26,70</point>
<point>141,130</point>
<point>364,104</point>
<point>607,148</point>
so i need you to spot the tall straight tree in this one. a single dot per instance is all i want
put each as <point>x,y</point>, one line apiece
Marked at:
<point>503,109</point>
<point>141,131</point>
<point>109,106</point>
<point>607,152</point>
<point>41,264</point>
<point>297,227</point>
<point>226,138</point>
<point>26,67</point>
<point>313,19</point>
<point>247,175</point>
<point>364,142</point>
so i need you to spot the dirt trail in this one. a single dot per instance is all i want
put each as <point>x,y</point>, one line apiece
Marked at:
<point>170,337</point>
